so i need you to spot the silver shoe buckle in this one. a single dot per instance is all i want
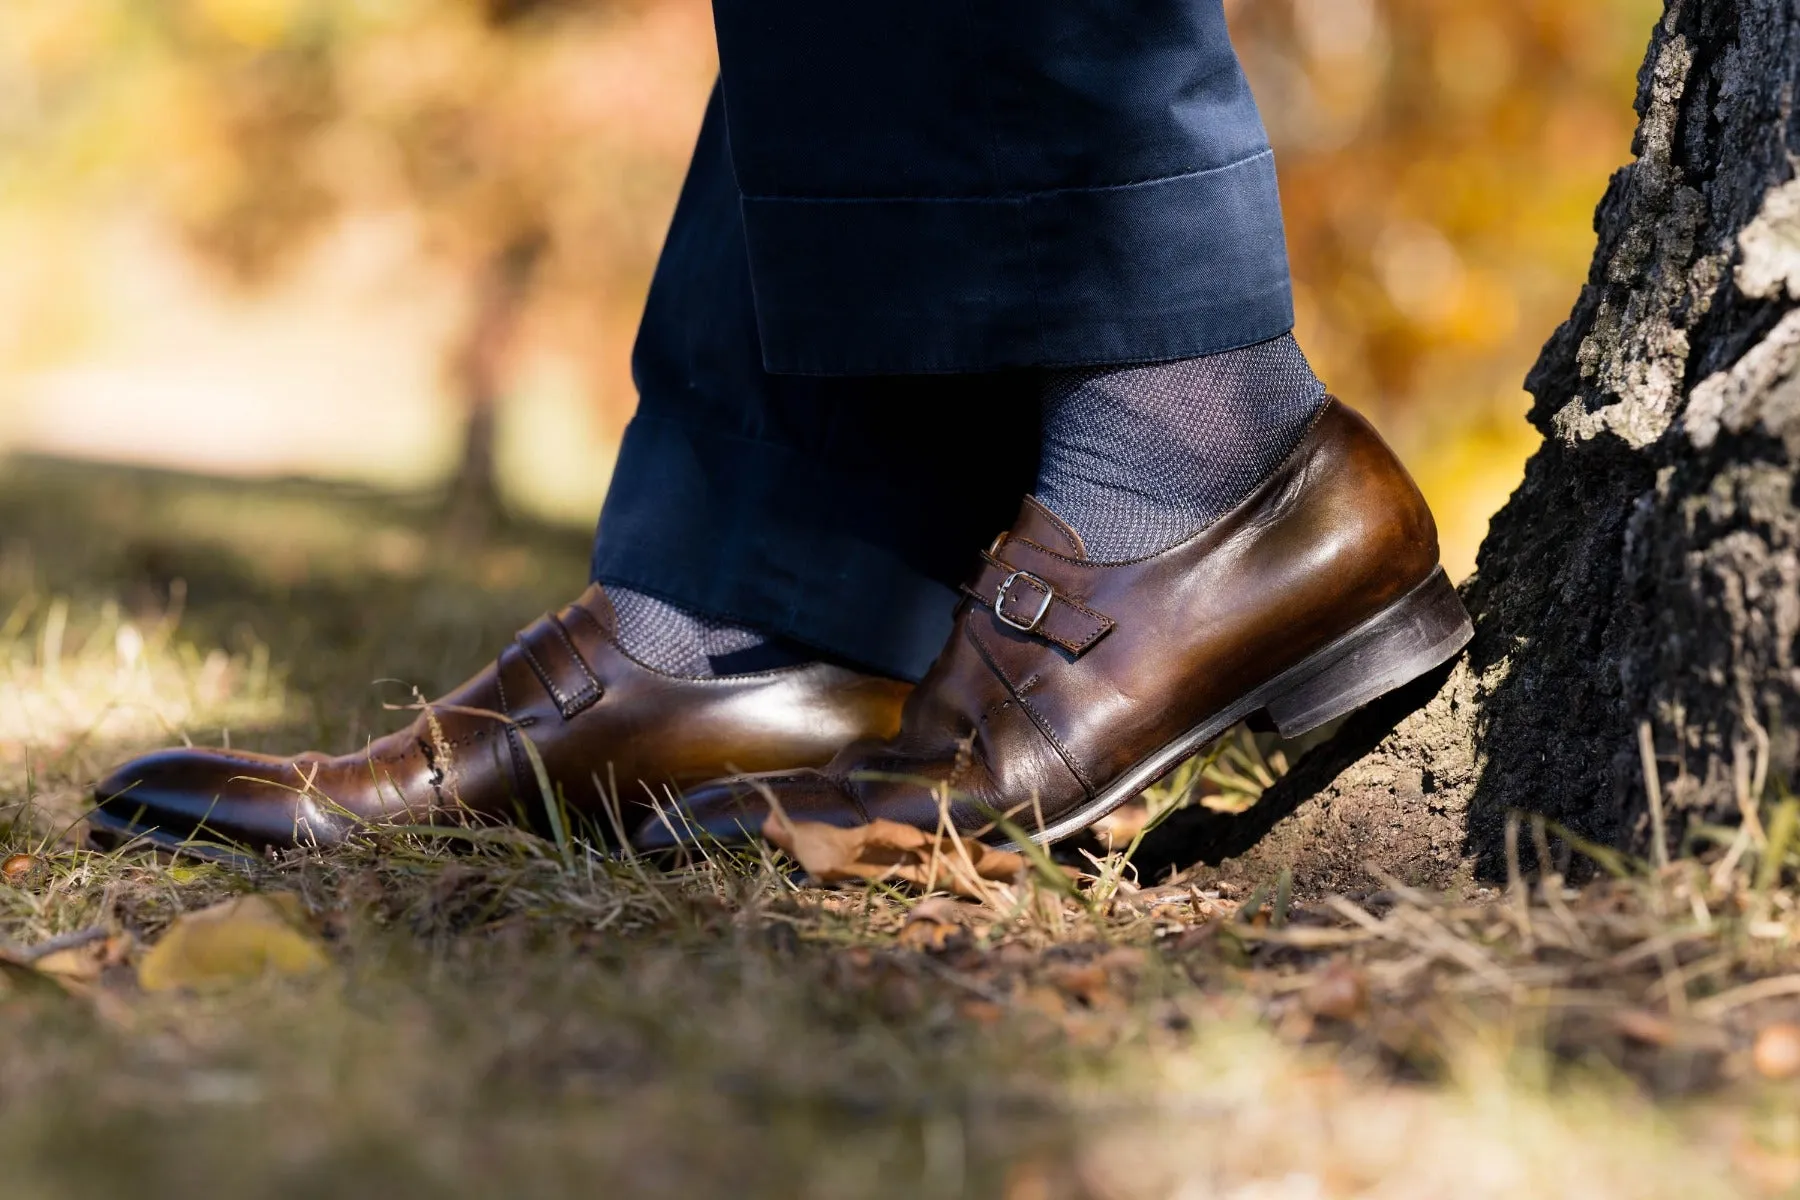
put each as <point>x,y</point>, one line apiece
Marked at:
<point>1000,597</point>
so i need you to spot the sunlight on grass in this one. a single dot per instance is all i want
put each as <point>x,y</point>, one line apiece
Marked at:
<point>504,1014</point>
<point>77,686</point>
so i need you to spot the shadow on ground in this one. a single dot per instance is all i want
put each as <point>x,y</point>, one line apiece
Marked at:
<point>340,586</point>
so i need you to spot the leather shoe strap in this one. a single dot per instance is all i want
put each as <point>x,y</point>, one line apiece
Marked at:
<point>1031,604</point>
<point>553,658</point>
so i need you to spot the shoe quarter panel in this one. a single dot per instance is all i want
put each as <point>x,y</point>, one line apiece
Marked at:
<point>1336,534</point>
<point>970,726</point>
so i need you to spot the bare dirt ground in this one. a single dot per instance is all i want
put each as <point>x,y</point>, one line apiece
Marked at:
<point>505,1015</point>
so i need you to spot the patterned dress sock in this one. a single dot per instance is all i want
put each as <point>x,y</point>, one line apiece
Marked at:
<point>677,641</point>
<point>1139,458</point>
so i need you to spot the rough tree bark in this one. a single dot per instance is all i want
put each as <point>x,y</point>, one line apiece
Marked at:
<point>1648,568</point>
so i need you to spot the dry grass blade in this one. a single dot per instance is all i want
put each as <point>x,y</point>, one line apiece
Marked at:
<point>28,955</point>
<point>1784,823</point>
<point>721,1026</point>
<point>555,812</point>
<point>1659,835</point>
<point>1714,1007</point>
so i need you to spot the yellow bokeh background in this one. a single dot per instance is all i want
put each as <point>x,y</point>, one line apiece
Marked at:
<point>301,236</point>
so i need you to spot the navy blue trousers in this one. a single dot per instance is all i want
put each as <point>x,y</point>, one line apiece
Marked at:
<point>899,212</point>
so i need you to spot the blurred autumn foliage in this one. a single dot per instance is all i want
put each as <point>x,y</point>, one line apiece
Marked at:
<point>535,148</point>
<point>1440,163</point>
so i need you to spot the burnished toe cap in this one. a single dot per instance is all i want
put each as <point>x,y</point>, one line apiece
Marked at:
<point>732,811</point>
<point>249,799</point>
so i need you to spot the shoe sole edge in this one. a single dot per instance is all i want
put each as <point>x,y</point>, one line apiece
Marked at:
<point>1415,634</point>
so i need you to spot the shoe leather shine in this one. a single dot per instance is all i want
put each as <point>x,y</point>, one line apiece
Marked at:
<point>1069,685</point>
<point>590,711</point>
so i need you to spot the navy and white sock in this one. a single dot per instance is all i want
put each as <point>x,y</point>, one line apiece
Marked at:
<point>1139,458</point>
<point>679,642</point>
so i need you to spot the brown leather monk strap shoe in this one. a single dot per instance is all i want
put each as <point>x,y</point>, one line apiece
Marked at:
<point>590,710</point>
<point>1068,686</point>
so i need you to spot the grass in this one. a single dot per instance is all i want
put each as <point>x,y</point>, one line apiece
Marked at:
<point>504,1019</point>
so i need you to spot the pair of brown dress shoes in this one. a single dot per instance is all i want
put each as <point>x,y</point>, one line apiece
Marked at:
<point>1067,686</point>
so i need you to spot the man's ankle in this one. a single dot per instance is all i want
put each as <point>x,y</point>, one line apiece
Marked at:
<point>678,641</point>
<point>1139,458</point>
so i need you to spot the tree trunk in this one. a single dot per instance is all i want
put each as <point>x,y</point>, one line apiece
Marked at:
<point>1644,581</point>
<point>473,505</point>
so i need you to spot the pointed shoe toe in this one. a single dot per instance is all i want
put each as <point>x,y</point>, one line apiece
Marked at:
<point>607,732</point>
<point>182,796</point>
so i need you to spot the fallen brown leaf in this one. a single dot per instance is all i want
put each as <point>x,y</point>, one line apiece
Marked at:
<point>982,1012</point>
<point>1131,960</point>
<point>1087,983</point>
<point>941,910</point>
<point>68,962</point>
<point>1646,1027</point>
<point>1776,1054</point>
<point>1117,829</point>
<point>1340,993</point>
<point>1046,1001</point>
<point>887,851</point>
<point>84,963</point>
<point>235,942</point>
<point>931,937</point>
<point>935,924</point>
